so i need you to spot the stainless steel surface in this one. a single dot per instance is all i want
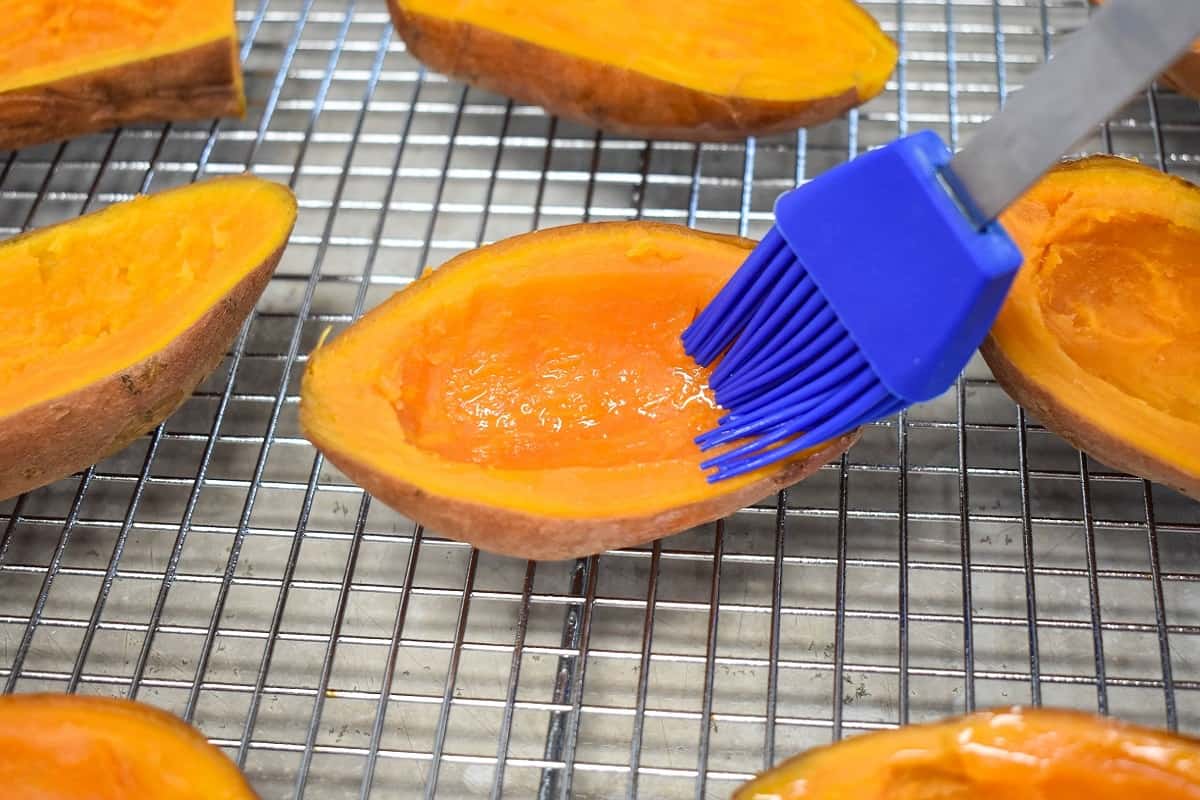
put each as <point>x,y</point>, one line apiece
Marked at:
<point>1095,72</point>
<point>958,557</point>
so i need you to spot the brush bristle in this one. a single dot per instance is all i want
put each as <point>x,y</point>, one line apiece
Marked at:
<point>791,376</point>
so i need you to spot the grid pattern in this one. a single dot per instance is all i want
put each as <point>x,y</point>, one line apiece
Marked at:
<point>958,557</point>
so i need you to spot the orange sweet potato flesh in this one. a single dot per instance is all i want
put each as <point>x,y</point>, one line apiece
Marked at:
<point>112,319</point>
<point>685,69</point>
<point>1012,754</point>
<point>57,747</point>
<point>68,68</point>
<point>1100,335</point>
<point>532,396</point>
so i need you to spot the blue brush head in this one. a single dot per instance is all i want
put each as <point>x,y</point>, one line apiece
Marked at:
<point>869,294</point>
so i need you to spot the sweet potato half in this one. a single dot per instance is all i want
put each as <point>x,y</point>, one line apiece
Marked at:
<point>58,747</point>
<point>1012,754</point>
<point>1100,335</point>
<point>72,68</point>
<point>684,69</point>
<point>110,320</point>
<point>532,396</point>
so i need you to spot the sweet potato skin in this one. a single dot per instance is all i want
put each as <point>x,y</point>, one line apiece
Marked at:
<point>193,84</point>
<point>53,439</point>
<point>1079,431</point>
<point>1184,74</point>
<point>528,536</point>
<point>605,96</point>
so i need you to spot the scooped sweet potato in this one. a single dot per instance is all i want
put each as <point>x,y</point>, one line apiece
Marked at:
<point>1184,74</point>
<point>111,320</point>
<point>686,69</point>
<point>59,747</point>
<point>532,397</point>
<point>1100,335</point>
<point>1014,754</point>
<point>72,68</point>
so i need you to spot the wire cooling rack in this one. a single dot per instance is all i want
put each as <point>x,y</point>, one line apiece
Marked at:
<point>958,557</point>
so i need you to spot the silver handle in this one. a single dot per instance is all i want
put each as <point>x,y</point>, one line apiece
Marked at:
<point>1126,45</point>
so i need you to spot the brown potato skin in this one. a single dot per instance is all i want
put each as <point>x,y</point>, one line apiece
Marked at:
<point>1079,431</point>
<point>60,436</point>
<point>529,536</point>
<point>192,84</point>
<point>1184,74</point>
<point>601,95</point>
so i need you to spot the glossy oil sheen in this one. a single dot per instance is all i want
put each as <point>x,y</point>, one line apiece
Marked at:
<point>1003,755</point>
<point>559,372</point>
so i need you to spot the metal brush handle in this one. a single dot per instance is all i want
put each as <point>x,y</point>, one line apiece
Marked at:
<point>1126,45</point>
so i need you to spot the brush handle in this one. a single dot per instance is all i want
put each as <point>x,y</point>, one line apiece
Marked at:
<point>1126,45</point>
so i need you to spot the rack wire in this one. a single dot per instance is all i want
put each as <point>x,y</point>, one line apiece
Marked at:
<point>958,557</point>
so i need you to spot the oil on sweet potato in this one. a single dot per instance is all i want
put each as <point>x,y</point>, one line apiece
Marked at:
<point>59,747</point>
<point>73,68</point>
<point>1100,335</point>
<point>112,319</point>
<point>1009,754</point>
<point>532,397</point>
<point>695,69</point>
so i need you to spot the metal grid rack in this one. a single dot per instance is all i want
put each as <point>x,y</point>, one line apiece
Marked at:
<point>960,556</point>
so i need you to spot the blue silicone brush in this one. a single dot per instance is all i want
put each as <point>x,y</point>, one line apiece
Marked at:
<point>882,276</point>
